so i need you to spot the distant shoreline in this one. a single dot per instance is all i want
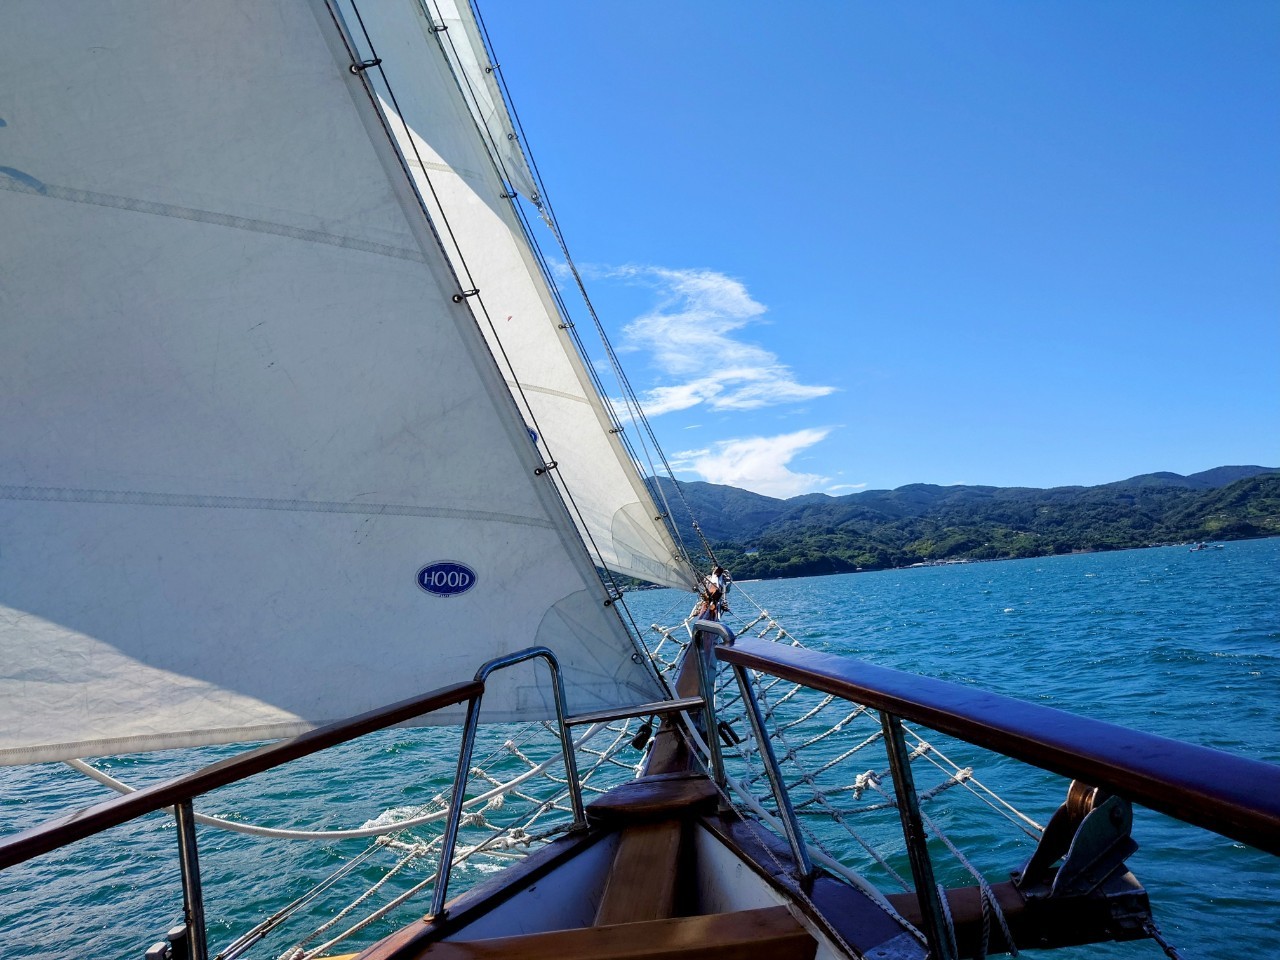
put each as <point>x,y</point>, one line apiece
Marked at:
<point>924,564</point>
<point>765,538</point>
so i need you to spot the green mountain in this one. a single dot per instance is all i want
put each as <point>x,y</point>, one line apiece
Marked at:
<point>759,536</point>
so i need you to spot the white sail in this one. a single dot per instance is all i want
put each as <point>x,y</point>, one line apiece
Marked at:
<point>464,48</point>
<point>239,410</point>
<point>463,170</point>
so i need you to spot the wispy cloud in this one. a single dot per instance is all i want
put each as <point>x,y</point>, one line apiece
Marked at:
<point>846,486</point>
<point>756,463</point>
<point>682,396</point>
<point>692,339</point>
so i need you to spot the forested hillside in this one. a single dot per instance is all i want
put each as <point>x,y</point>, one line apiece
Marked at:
<point>758,536</point>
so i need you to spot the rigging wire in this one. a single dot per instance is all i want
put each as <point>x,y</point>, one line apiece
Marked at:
<point>543,204</point>
<point>506,840</point>
<point>635,411</point>
<point>593,551</point>
<point>497,158</point>
<point>616,595</point>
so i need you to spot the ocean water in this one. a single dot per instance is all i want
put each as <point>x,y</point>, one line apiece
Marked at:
<point>1182,644</point>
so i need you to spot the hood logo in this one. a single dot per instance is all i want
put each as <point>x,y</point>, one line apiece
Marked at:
<point>446,578</point>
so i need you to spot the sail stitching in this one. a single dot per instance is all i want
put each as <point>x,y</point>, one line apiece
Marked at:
<point>427,166</point>
<point>547,391</point>
<point>157,208</point>
<point>150,499</point>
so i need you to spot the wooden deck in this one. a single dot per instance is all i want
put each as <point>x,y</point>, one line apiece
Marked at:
<point>771,932</point>
<point>646,902</point>
<point>646,868</point>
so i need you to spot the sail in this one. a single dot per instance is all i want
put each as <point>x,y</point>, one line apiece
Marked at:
<point>258,470</point>
<point>464,171</point>
<point>459,39</point>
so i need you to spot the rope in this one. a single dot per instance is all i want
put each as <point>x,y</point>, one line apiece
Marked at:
<point>503,842</point>
<point>404,861</point>
<point>509,840</point>
<point>242,943</point>
<point>987,894</point>
<point>373,830</point>
<point>955,776</point>
<point>835,814</point>
<point>981,953</point>
<point>1020,820</point>
<point>951,924</point>
<point>518,835</point>
<point>742,801</point>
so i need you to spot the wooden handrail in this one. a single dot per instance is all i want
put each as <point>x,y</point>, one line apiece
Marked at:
<point>111,813</point>
<point>1230,795</point>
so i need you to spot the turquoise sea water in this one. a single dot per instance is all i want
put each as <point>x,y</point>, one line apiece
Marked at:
<point>1181,644</point>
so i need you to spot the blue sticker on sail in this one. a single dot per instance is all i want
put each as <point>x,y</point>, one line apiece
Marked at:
<point>446,578</point>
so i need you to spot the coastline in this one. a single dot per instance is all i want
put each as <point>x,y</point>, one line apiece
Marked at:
<point>963,561</point>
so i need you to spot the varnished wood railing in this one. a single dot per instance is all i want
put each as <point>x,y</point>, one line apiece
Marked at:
<point>1230,795</point>
<point>111,813</point>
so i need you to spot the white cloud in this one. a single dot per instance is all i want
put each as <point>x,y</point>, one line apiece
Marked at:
<point>662,400</point>
<point>846,486</point>
<point>756,463</point>
<point>691,337</point>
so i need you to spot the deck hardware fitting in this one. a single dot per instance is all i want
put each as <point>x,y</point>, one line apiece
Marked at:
<point>449,838</point>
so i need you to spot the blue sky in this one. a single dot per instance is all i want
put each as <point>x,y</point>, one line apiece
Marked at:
<point>843,246</point>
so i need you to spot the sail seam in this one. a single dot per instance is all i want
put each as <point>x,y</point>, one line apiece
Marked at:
<point>142,498</point>
<point>547,391</point>
<point>427,166</point>
<point>157,208</point>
